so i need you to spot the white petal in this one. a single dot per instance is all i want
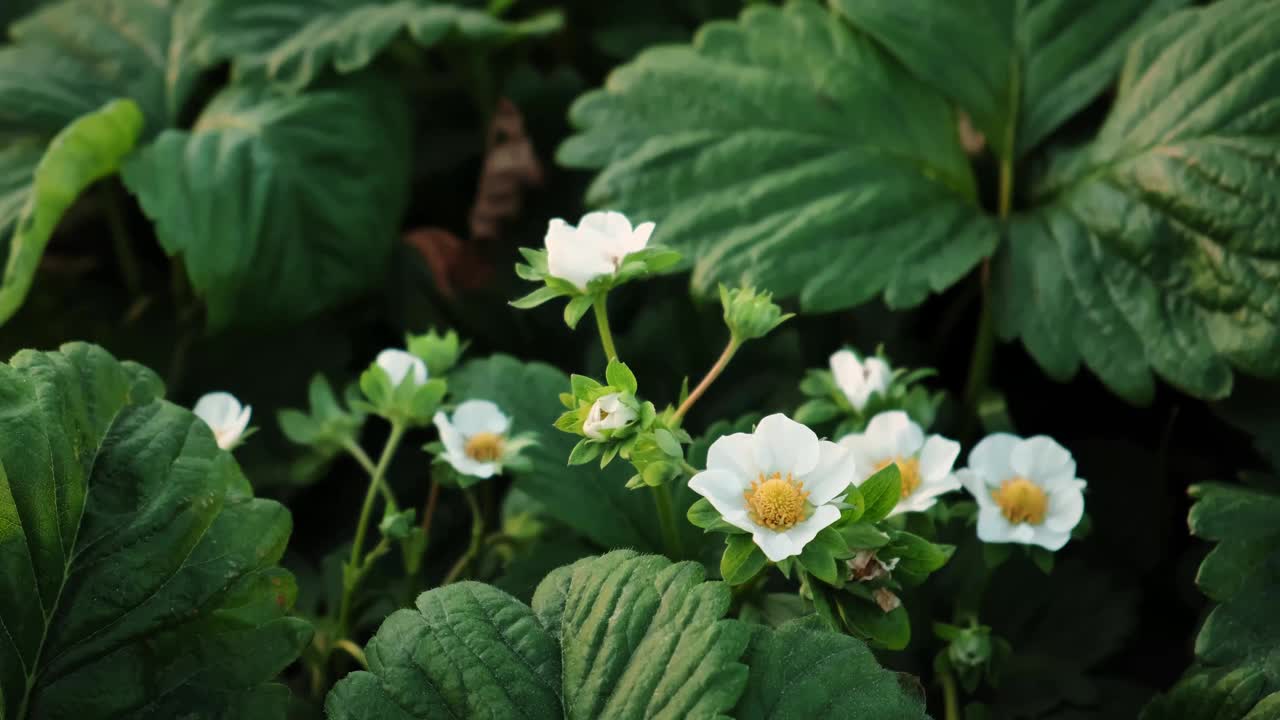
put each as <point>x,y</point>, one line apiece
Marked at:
<point>573,256</point>
<point>238,427</point>
<point>477,416</point>
<point>736,454</point>
<point>784,445</point>
<point>990,457</point>
<point>895,430</point>
<point>1049,539</point>
<point>832,476</point>
<point>1043,461</point>
<point>915,502</point>
<point>851,378</point>
<point>992,526</point>
<point>977,487</point>
<point>723,490</point>
<point>217,409</point>
<point>803,532</point>
<point>776,546</point>
<point>466,465</point>
<point>398,364</point>
<point>937,457</point>
<point>1066,507</point>
<point>1023,533</point>
<point>934,488</point>
<point>609,223</point>
<point>640,236</point>
<point>454,442</point>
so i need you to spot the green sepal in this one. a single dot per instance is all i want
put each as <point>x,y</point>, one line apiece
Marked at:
<point>536,298</point>
<point>741,560</point>
<point>584,452</point>
<point>396,525</point>
<point>575,309</point>
<point>620,376</point>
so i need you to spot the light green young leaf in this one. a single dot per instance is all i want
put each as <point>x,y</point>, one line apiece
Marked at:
<point>801,670</point>
<point>741,560</point>
<point>138,573</point>
<point>1157,250</point>
<point>293,42</point>
<point>881,491</point>
<point>822,170</point>
<point>1020,69</point>
<point>621,636</point>
<point>87,150</point>
<point>216,193</point>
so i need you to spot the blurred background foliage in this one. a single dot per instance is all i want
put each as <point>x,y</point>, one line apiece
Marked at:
<point>479,180</point>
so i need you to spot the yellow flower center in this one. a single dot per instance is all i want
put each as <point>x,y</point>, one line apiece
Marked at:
<point>908,468</point>
<point>1021,501</point>
<point>775,502</point>
<point>484,447</point>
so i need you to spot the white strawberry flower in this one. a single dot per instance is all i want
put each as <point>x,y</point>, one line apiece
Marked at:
<point>923,462</point>
<point>223,414</point>
<point>607,415</point>
<point>1027,490</point>
<point>860,379</point>
<point>779,483</point>
<point>596,247</point>
<point>475,438</point>
<point>398,365</point>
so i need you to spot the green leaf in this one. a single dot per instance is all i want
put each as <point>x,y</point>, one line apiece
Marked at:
<point>822,170</point>
<point>87,150</point>
<point>293,41</point>
<point>1156,250</point>
<point>280,206</point>
<point>891,630</point>
<point>73,57</point>
<point>863,536</point>
<point>620,376</point>
<point>575,309</point>
<point>882,492</point>
<point>1233,676</point>
<point>704,515</point>
<point>742,559</point>
<point>802,671</point>
<point>917,557</point>
<point>592,502</point>
<point>1020,69</point>
<point>620,636</point>
<point>138,573</point>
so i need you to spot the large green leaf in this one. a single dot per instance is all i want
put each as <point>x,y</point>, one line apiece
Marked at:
<point>802,671</point>
<point>137,570</point>
<point>294,41</point>
<point>74,56</point>
<point>1235,674</point>
<point>280,205</point>
<point>592,501</point>
<point>1159,248</point>
<point>788,150</point>
<point>620,636</point>
<point>89,149</point>
<point>1019,67</point>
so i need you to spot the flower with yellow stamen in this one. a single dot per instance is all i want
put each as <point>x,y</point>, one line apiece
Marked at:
<point>924,463</point>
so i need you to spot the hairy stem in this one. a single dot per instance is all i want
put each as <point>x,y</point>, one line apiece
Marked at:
<point>602,323</point>
<point>357,547</point>
<point>667,521</point>
<point>721,363</point>
<point>477,538</point>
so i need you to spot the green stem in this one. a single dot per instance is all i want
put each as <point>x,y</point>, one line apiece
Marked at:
<point>602,322</point>
<point>721,363</point>
<point>123,246</point>
<point>355,565</point>
<point>950,698</point>
<point>985,341</point>
<point>667,521</point>
<point>477,537</point>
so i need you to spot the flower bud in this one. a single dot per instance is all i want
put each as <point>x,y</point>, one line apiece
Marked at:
<point>608,415</point>
<point>750,315</point>
<point>439,352</point>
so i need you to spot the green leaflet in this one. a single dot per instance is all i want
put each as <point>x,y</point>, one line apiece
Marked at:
<point>1019,68</point>
<point>787,151</point>
<point>618,636</point>
<point>1158,250</point>
<point>1234,674</point>
<point>75,56</point>
<point>137,570</point>
<point>89,149</point>
<point>280,205</point>
<point>293,42</point>
<point>593,502</point>
<point>803,671</point>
